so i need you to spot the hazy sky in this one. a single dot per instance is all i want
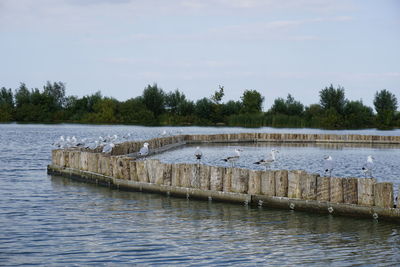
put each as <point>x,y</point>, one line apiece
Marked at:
<point>273,46</point>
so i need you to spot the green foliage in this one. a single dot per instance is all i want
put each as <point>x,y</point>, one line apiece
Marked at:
<point>6,105</point>
<point>154,107</point>
<point>231,108</point>
<point>56,94</point>
<point>252,102</point>
<point>385,105</point>
<point>289,107</point>
<point>154,99</point>
<point>218,95</point>
<point>204,109</point>
<point>247,120</point>
<point>177,104</point>
<point>134,111</point>
<point>357,115</point>
<point>331,98</point>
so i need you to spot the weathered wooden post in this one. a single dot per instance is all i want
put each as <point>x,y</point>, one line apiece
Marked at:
<point>133,172</point>
<point>194,176</point>
<point>93,159</point>
<point>120,167</point>
<point>365,189</point>
<point>308,186</point>
<point>268,183</point>
<point>175,175</point>
<point>84,160</point>
<point>350,195</point>
<point>142,171</point>
<point>185,173</point>
<point>336,190</point>
<point>167,174</point>
<point>383,195</point>
<point>204,176</point>
<point>254,182</point>
<point>216,178</point>
<point>104,165</point>
<point>74,159</point>
<point>281,183</point>
<point>65,158</point>
<point>55,158</point>
<point>151,167</point>
<point>226,179</point>
<point>294,190</point>
<point>240,180</point>
<point>323,188</point>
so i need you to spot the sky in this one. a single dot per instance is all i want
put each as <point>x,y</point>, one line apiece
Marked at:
<point>276,47</point>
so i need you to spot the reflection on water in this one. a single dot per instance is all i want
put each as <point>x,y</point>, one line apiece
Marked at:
<point>50,221</point>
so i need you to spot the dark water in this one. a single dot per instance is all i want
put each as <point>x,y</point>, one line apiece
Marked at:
<point>47,220</point>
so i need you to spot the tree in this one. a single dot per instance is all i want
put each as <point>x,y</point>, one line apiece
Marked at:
<point>173,99</point>
<point>385,105</point>
<point>22,96</point>
<point>294,107</point>
<point>154,99</point>
<point>218,95</point>
<point>231,108</point>
<point>331,98</point>
<point>135,112</point>
<point>288,107</point>
<point>204,109</point>
<point>357,115</point>
<point>252,101</point>
<point>56,93</point>
<point>279,106</point>
<point>6,104</point>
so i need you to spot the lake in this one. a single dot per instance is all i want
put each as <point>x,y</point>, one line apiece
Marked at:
<point>50,220</point>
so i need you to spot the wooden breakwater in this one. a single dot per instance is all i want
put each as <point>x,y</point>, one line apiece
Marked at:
<point>296,190</point>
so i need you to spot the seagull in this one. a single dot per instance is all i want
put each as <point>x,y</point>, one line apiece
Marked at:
<point>233,159</point>
<point>60,142</point>
<point>269,160</point>
<point>93,145</point>
<point>368,166</point>
<point>164,133</point>
<point>144,151</point>
<point>328,166</point>
<point>198,154</point>
<point>108,148</point>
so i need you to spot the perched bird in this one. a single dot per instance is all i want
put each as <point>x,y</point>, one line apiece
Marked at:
<point>108,148</point>
<point>328,166</point>
<point>198,154</point>
<point>233,159</point>
<point>368,166</point>
<point>144,151</point>
<point>92,145</point>
<point>269,160</point>
<point>60,142</point>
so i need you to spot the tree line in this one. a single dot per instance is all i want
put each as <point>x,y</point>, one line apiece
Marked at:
<point>157,107</point>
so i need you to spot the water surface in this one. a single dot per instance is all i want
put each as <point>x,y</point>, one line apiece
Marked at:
<point>50,220</point>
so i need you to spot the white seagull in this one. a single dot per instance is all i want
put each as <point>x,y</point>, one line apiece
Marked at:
<point>368,166</point>
<point>108,148</point>
<point>269,160</point>
<point>233,159</point>
<point>328,166</point>
<point>198,154</point>
<point>144,151</point>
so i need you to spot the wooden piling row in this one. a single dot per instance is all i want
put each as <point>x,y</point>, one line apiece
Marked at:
<point>279,183</point>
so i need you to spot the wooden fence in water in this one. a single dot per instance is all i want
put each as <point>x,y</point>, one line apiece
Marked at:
<point>293,189</point>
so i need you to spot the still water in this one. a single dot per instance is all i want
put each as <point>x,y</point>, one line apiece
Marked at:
<point>50,220</point>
